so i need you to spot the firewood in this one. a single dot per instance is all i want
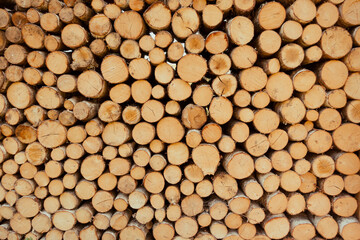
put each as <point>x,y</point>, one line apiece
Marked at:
<point>195,43</point>
<point>290,31</point>
<point>112,11</point>
<point>5,19</point>
<point>186,187</point>
<point>13,34</point>
<point>153,13</point>
<point>275,221</point>
<point>352,183</point>
<point>296,203</point>
<point>301,224</point>
<point>74,42</point>
<point>3,42</point>
<point>335,49</point>
<point>345,13</point>
<point>211,16</point>
<point>19,19</point>
<point>261,96</point>
<point>268,42</point>
<point>247,230</point>
<point>66,15</point>
<point>312,54</point>
<point>240,30</point>
<point>343,140</point>
<point>348,227</point>
<point>172,174</point>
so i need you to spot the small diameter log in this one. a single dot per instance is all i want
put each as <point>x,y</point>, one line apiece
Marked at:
<point>82,59</point>
<point>344,205</point>
<point>318,204</point>
<point>345,11</point>
<point>211,16</point>
<point>290,31</point>
<point>5,19</point>
<point>195,43</point>
<point>165,134</point>
<point>83,12</point>
<point>100,26</point>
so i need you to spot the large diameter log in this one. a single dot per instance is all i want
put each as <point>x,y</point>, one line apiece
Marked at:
<point>51,134</point>
<point>131,31</point>
<point>335,42</point>
<point>276,226</point>
<point>170,130</point>
<point>240,30</point>
<point>33,36</point>
<point>74,36</point>
<point>207,158</point>
<point>346,10</point>
<point>346,137</point>
<point>91,84</point>
<point>185,21</point>
<point>157,16</point>
<point>191,68</point>
<point>238,158</point>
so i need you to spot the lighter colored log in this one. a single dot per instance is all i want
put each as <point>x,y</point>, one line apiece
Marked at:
<point>318,204</point>
<point>211,133</point>
<point>206,157</point>
<point>69,39</point>
<point>240,30</point>
<point>211,16</point>
<point>276,226</point>
<point>335,49</point>
<point>346,15</point>
<point>202,95</point>
<point>296,203</point>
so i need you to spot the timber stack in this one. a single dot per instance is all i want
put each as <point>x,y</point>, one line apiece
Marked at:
<point>179,119</point>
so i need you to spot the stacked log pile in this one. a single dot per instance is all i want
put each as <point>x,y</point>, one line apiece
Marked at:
<point>179,119</point>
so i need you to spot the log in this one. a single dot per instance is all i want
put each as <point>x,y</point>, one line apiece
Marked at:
<point>158,16</point>
<point>240,30</point>
<point>296,204</point>
<point>195,43</point>
<point>335,49</point>
<point>278,222</point>
<point>264,16</point>
<point>76,41</point>
<point>301,227</point>
<point>268,42</point>
<point>128,32</point>
<point>130,49</point>
<point>212,16</point>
